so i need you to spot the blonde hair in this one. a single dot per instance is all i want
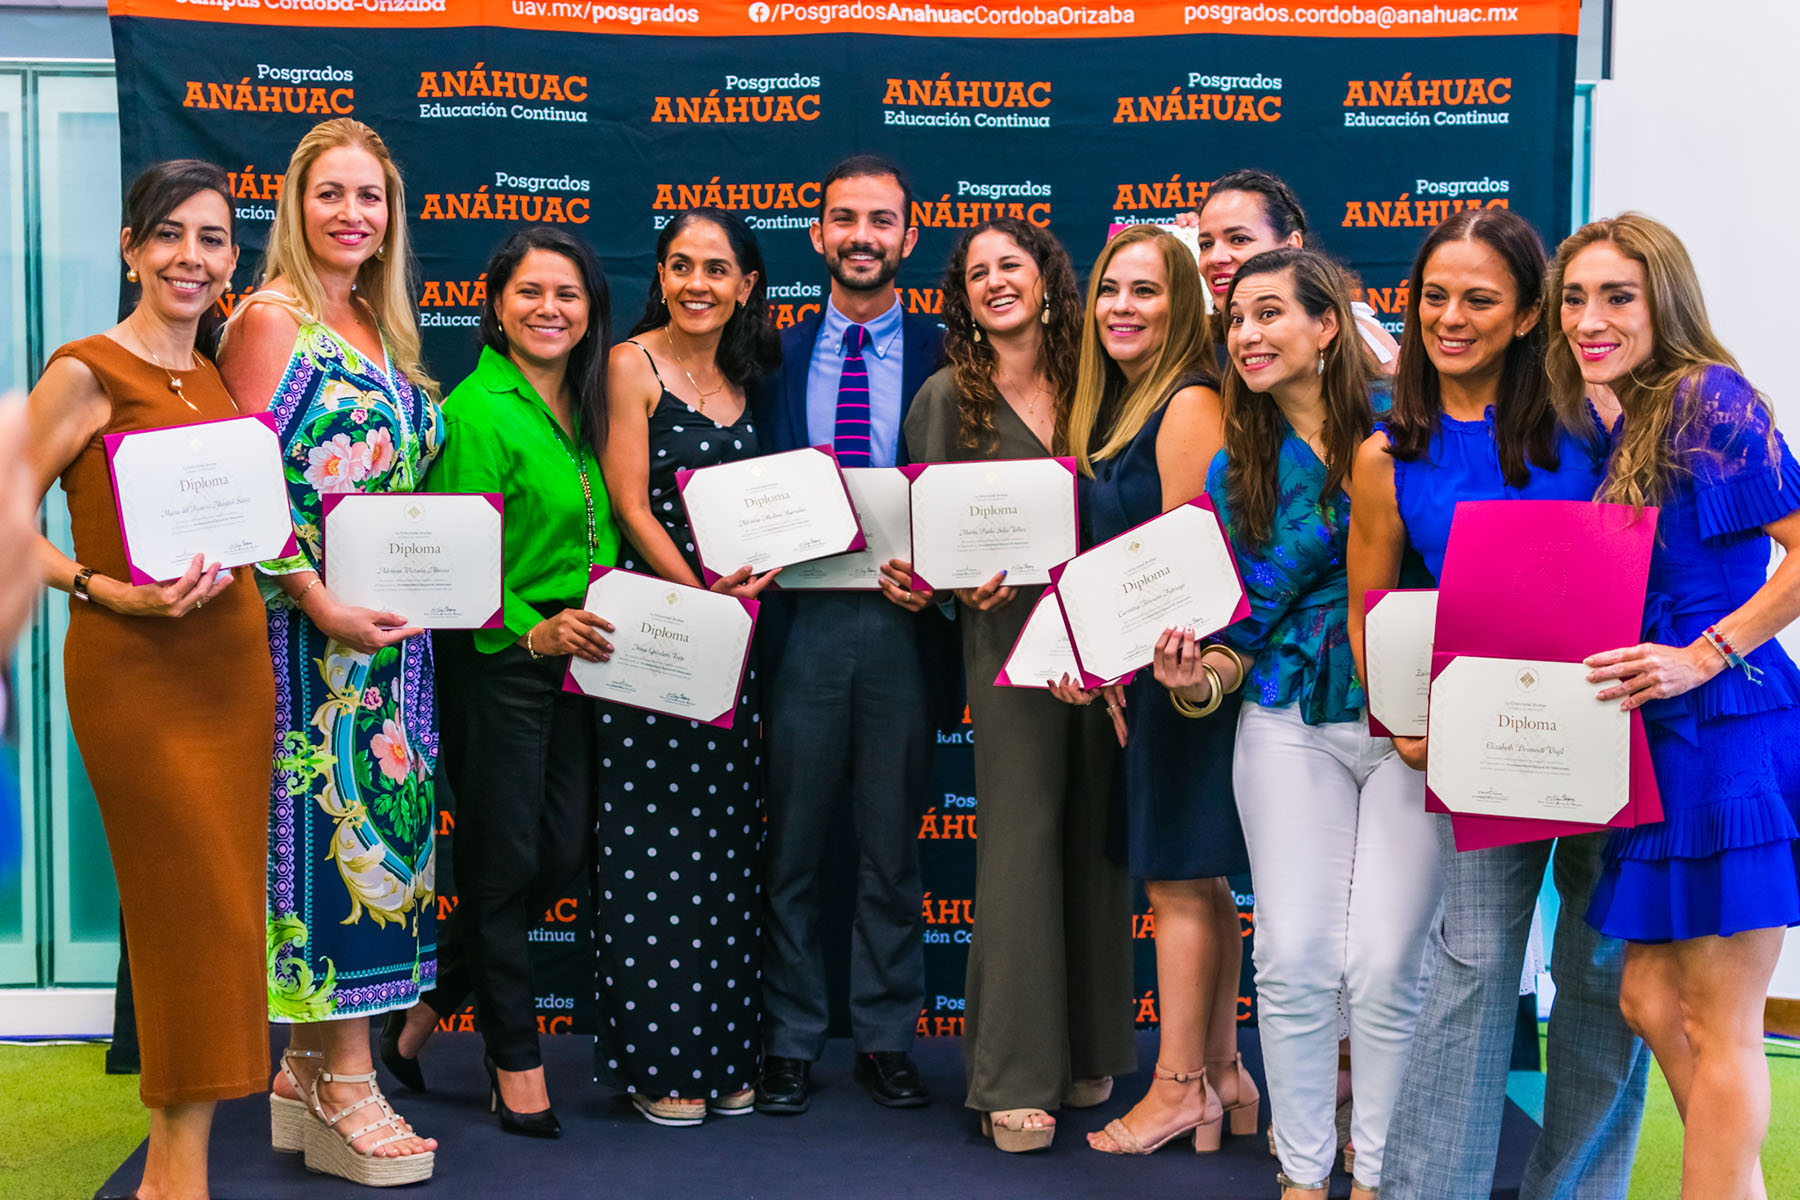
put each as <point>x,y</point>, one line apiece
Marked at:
<point>1661,396</point>
<point>1100,386</point>
<point>383,280</point>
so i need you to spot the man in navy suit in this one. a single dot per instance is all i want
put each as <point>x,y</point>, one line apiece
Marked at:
<point>853,687</point>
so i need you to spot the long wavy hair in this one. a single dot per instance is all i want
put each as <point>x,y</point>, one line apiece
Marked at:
<point>384,281</point>
<point>587,359</point>
<point>748,346</point>
<point>1661,396</point>
<point>1102,395</point>
<point>1524,419</point>
<point>972,363</point>
<point>1254,424</point>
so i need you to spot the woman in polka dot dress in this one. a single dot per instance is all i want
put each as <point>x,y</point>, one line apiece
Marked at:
<point>678,883</point>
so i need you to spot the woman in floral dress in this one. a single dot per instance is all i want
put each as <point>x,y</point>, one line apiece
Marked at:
<point>329,346</point>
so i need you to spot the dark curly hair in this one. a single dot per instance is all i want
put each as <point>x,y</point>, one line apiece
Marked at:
<point>972,362</point>
<point>749,347</point>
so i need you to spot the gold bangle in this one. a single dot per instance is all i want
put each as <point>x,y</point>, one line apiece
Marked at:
<point>1194,712</point>
<point>1236,658</point>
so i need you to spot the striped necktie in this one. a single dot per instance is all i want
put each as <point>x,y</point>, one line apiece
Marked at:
<point>850,438</point>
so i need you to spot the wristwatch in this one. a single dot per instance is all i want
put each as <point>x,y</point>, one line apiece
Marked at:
<point>79,588</point>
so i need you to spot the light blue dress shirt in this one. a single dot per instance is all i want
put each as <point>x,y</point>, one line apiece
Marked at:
<point>883,356</point>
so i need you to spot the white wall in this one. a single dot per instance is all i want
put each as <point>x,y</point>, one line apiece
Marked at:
<point>1697,128</point>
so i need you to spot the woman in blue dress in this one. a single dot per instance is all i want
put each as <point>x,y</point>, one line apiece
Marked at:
<point>1703,896</point>
<point>1143,424</point>
<point>1471,420</point>
<point>1334,821</point>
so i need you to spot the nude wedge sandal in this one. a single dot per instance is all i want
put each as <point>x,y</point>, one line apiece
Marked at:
<point>330,1143</point>
<point>1009,1132</point>
<point>288,1118</point>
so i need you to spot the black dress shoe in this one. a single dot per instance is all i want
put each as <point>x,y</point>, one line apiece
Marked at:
<point>541,1124</point>
<point>405,1069</point>
<point>783,1086</point>
<point>892,1079</point>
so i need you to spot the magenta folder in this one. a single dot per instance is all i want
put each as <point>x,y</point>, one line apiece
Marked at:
<point>1556,580</point>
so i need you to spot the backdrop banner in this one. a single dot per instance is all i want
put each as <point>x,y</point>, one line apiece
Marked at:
<point>611,117</point>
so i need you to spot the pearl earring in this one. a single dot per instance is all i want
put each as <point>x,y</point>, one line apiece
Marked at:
<point>1321,362</point>
<point>131,275</point>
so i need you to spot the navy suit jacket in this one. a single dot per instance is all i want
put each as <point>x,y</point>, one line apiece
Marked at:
<point>778,401</point>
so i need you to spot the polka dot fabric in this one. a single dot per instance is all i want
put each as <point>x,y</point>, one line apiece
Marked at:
<point>678,885</point>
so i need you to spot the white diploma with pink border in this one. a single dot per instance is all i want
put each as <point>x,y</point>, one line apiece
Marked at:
<point>1175,570</point>
<point>677,650</point>
<point>881,497</point>
<point>769,511</point>
<point>214,488</point>
<point>433,557</point>
<point>1397,638</point>
<point>972,520</point>
<point>1042,655</point>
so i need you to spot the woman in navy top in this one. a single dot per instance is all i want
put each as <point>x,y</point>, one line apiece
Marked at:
<point>1703,896</point>
<point>1471,420</point>
<point>1335,822</point>
<point>1143,424</point>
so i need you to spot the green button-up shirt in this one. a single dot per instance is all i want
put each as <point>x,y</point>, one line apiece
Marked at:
<point>501,437</point>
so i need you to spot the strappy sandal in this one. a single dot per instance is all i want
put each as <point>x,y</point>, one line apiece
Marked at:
<point>331,1149</point>
<point>1244,1113</point>
<point>1089,1093</point>
<point>661,1110</point>
<point>734,1105</point>
<point>1010,1131</point>
<point>288,1119</point>
<point>1206,1130</point>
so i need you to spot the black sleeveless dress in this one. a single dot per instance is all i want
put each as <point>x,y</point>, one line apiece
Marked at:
<point>678,880</point>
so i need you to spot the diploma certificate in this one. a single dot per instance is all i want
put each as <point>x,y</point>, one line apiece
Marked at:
<point>676,649</point>
<point>1042,654</point>
<point>769,511</point>
<point>1516,738</point>
<point>434,558</point>
<point>214,488</point>
<point>1397,636</point>
<point>1176,569</point>
<point>880,495</point>
<point>972,520</point>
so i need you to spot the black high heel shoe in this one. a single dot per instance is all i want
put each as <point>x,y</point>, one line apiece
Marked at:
<point>541,1124</point>
<point>405,1069</point>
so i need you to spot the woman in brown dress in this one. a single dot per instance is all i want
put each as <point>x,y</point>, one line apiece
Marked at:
<point>171,695</point>
<point>1048,1022</point>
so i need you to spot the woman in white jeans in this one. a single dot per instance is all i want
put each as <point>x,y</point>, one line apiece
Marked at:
<point>1335,822</point>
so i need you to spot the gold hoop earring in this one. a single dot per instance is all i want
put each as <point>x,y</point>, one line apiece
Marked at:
<point>131,275</point>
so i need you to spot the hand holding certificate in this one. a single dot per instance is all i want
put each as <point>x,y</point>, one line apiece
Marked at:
<point>769,511</point>
<point>1176,569</point>
<point>972,520</point>
<point>676,649</point>
<point>1397,633</point>
<point>214,488</point>
<point>882,499</point>
<point>433,558</point>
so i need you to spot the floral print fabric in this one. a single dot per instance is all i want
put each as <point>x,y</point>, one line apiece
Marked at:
<point>352,869</point>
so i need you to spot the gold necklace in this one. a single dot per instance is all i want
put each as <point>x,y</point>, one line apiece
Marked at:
<point>174,381</point>
<point>701,405</point>
<point>1037,393</point>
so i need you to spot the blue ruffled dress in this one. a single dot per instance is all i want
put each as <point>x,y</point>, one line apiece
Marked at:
<point>1727,754</point>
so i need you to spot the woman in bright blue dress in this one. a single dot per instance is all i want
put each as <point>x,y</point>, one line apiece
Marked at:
<point>1705,895</point>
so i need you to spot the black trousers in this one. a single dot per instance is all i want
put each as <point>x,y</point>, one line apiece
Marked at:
<point>518,753</point>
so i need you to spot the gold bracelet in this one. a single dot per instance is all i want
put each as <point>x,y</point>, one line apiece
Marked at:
<point>1222,648</point>
<point>301,594</point>
<point>1194,712</point>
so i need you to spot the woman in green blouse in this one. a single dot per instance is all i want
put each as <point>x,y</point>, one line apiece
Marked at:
<point>520,751</point>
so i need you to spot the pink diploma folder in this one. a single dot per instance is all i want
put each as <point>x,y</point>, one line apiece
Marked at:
<point>1555,580</point>
<point>1373,597</point>
<point>724,719</point>
<point>708,575</point>
<point>494,620</point>
<point>912,471</point>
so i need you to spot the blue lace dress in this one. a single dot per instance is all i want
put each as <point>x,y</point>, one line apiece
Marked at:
<point>1727,754</point>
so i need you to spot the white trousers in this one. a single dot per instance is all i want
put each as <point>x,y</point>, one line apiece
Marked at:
<point>1345,863</point>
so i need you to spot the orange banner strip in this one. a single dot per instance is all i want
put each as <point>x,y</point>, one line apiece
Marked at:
<point>901,18</point>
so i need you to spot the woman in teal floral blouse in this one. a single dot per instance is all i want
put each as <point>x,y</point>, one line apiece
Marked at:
<point>329,346</point>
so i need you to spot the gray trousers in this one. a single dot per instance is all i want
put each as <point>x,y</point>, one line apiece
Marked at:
<point>1445,1132</point>
<point>846,726</point>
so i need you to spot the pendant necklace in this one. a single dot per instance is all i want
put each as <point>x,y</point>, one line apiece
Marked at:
<point>670,343</point>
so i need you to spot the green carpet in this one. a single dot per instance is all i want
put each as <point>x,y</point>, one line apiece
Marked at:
<point>68,1125</point>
